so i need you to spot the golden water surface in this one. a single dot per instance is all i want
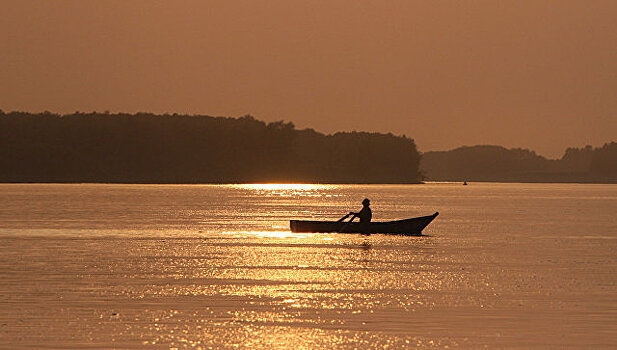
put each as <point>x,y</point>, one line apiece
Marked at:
<point>215,266</point>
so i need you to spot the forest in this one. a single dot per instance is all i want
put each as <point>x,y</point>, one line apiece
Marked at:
<point>496,163</point>
<point>149,148</point>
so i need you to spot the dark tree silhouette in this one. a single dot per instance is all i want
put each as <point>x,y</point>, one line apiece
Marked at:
<point>496,163</point>
<point>148,148</point>
<point>604,161</point>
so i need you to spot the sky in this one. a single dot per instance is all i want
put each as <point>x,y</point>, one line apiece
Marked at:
<point>538,74</point>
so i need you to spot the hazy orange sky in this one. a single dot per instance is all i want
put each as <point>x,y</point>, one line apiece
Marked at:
<point>533,74</point>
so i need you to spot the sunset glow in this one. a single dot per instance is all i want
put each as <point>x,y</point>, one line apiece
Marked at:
<point>274,234</point>
<point>305,174</point>
<point>284,187</point>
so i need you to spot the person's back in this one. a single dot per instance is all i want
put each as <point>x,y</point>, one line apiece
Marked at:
<point>365,215</point>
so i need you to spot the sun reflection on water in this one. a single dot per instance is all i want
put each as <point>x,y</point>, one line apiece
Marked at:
<point>272,234</point>
<point>290,190</point>
<point>287,187</point>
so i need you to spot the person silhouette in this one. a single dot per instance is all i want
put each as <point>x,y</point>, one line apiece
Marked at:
<point>365,214</point>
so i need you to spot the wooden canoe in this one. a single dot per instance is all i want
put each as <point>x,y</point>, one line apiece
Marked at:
<point>407,227</point>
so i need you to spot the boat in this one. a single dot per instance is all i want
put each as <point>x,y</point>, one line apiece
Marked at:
<point>407,227</point>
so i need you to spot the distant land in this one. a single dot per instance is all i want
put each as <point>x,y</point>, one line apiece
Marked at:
<point>498,164</point>
<point>149,148</point>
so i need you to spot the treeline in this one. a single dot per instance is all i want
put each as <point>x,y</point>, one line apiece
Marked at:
<point>496,163</point>
<point>148,148</point>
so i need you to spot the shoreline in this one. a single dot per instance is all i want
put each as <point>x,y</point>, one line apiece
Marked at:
<point>209,183</point>
<point>306,183</point>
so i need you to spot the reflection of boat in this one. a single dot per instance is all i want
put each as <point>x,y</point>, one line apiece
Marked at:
<point>408,227</point>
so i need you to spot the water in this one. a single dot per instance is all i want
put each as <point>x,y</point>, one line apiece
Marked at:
<point>124,266</point>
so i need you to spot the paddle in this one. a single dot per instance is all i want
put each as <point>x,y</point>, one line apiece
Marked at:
<point>347,223</point>
<point>344,217</point>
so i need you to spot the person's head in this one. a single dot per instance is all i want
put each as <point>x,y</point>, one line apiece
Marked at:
<point>366,202</point>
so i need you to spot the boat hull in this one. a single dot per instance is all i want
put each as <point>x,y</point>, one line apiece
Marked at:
<point>407,227</point>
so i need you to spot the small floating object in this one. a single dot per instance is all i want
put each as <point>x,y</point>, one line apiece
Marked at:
<point>407,227</point>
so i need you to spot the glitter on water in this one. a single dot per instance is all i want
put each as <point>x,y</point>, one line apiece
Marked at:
<point>211,266</point>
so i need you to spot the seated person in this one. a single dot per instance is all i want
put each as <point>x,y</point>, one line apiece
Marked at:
<point>365,214</point>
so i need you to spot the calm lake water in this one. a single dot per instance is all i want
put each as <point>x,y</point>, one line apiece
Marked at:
<point>215,266</point>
